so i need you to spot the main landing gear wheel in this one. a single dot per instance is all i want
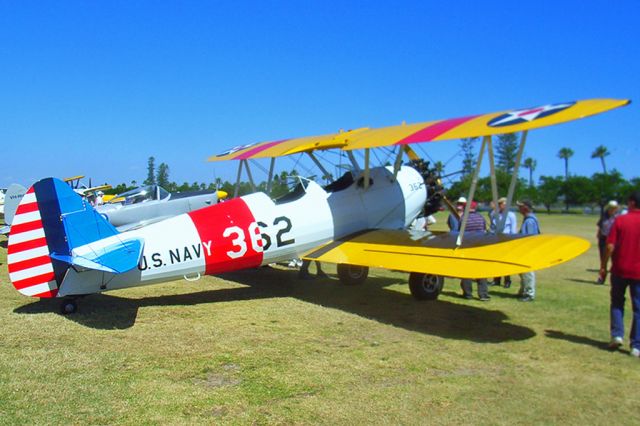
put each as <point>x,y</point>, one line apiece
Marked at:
<point>352,274</point>
<point>68,306</point>
<point>425,286</point>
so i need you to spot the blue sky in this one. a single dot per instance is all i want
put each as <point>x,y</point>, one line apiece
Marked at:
<point>96,87</point>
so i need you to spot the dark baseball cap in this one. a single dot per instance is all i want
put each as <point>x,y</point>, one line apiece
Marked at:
<point>525,203</point>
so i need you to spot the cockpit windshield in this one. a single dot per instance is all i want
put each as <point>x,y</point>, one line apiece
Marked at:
<point>141,195</point>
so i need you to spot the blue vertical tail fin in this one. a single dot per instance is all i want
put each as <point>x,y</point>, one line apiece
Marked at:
<point>54,229</point>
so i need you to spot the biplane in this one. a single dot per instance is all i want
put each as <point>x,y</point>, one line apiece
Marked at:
<point>75,182</point>
<point>15,192</point>
<point>59,246</point>
<point>132,209</point>
<point>148,204</point>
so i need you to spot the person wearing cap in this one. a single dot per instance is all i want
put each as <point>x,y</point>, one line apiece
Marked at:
<point>475,224</point>
<point>99,200</point>
<point>475,221</point>
<point>453,221</point>
<point>510,224</point>
<point>510,227</point>
<point>604,227</point>
<point>529,226</point>
<point>623,247</point>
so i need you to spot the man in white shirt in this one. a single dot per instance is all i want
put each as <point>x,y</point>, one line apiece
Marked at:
<point>453,221</point>
<point>511,224</point>
<point>99,198</point>
<point>510,227</point>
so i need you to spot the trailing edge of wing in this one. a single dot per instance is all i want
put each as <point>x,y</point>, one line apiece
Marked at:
<point>482,256</point>
<point>431,131</point>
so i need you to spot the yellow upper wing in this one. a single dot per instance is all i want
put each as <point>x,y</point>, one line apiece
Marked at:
<point>482,256</point>
<point>86,191</point>
<point>438,130</point>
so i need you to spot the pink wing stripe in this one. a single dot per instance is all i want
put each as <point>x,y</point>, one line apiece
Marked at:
<point>257,149</point>
<point>430,133</point>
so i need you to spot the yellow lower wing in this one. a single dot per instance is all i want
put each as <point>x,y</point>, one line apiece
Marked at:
<point>482,256</point>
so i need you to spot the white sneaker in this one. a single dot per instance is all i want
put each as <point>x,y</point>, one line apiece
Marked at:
<point>615,342</point>
<point>635,352</point>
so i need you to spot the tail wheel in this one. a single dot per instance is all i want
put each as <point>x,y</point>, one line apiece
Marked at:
<point>68,306</point>
<point>425,286</point>
<point>352,274</point>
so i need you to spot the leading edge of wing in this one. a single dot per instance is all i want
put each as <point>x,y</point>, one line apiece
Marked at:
<point>509,121</point>
<point>482,256</point>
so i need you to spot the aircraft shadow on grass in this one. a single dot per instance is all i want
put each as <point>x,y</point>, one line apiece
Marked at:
<point>373,300</point>
<point>506,294</point>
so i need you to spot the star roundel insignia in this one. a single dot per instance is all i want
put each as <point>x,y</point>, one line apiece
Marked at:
<point>528,114</point>
<point>236,149</point>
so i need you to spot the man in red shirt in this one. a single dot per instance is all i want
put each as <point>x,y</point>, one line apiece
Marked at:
<point>623,246</point>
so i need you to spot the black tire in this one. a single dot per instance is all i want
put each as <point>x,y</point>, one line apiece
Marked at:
<point>352,274</point>
<point>68,307</point>
<point>425,286</point>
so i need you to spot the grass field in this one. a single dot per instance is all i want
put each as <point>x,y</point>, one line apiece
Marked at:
<point>262,347</point>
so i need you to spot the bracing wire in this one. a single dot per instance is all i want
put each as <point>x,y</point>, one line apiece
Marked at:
<point>259,166</point>
<point>375,154</point>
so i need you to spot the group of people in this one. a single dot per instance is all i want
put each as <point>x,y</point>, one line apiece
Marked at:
<point>507,219</point>
<point>95,198</point>
<point>619,241</point>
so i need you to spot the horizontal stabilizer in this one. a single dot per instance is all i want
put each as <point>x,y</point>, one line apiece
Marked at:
<point>481,256</point>
<point>116,259</point>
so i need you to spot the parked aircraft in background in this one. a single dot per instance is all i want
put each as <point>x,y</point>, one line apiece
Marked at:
<point>59,246</point>
<point>15,192</point>
<point>12,198</point>
<point>149,204</point>
<point>2,191</point>
<point>77,185</point>
<point>137,207</point>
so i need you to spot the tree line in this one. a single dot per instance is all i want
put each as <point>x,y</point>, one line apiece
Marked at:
<point>568,190</point>
<point>160,176</point>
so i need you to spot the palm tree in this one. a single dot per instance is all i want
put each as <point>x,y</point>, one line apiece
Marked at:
<point>565,154</point>
<point>601,152</point>
<point>439,167</point>
<point>530,163</point>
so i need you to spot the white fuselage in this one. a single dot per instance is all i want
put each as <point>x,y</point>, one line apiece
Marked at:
<point>253,230</point>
